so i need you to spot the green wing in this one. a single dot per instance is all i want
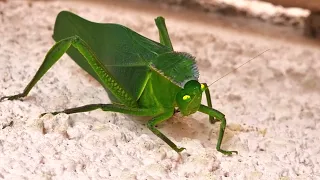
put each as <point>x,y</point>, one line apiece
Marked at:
<point>126,54</point>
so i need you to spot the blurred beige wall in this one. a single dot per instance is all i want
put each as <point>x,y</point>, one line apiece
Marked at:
<point>313,5</point>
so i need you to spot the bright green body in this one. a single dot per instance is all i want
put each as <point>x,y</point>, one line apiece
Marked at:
<point>128,57</point>
<point>141,76</point>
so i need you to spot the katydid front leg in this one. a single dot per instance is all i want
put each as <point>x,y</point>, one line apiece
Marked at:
<point>58,50</point>
<point>212,119</point>
<point>165,40</point>
<point>220,117</point>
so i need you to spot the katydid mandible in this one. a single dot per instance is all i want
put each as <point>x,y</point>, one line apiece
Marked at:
<point>142,77</point>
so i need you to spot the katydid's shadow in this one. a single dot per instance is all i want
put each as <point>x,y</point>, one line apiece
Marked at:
<point>178,127</point>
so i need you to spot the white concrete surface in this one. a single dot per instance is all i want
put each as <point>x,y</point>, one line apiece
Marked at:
<point>272,105</point>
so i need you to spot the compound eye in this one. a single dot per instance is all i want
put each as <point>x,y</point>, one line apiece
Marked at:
<point>186,98</point>
<point>203,87</point>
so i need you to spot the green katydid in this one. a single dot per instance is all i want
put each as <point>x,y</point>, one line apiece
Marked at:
<point>142,77</point>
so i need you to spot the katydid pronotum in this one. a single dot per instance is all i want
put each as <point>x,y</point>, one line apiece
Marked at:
<point>142,77</point>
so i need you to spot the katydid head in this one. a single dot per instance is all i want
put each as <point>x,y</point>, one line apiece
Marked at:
<point>189,98</point>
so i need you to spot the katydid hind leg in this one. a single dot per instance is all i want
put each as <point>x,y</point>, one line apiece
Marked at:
<point>158,119</point>
<point>58,50</point>
<point>51,58</point>
<point>163,32</point>
<point>221,117</point>
<point>212,119</point>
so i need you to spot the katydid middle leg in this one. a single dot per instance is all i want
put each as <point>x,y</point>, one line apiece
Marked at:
<point>110,107</point>
<point>159,114</point>
<point>158,119</point>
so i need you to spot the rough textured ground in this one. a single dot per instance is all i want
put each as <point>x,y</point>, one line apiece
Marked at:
<point>272,105</point>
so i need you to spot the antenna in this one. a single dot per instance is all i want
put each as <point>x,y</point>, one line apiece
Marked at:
<point>238,67</point>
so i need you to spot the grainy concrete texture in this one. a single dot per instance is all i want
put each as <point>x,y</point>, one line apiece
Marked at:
<point>272,104</point>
